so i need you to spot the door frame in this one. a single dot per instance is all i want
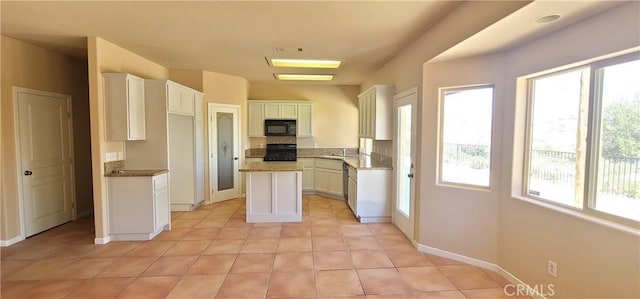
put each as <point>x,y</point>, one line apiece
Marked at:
<point>211,107</point>
<point>413,92</point>
<point>16,128</point>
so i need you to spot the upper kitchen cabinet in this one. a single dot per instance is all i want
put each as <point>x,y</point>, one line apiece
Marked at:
<point>375,111</point>
<point>258,111</point>
<point>181,99</point>
<point>125,106</point>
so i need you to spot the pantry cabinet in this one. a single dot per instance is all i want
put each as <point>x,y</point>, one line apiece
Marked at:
<point>375,112</point>
<point>258,111</point>
<point>181,99</point>
<point>124,106</point>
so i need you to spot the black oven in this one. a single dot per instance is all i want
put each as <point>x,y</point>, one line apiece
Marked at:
<point>280,127</point>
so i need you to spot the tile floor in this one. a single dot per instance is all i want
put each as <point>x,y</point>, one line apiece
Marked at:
<point>213,253</point>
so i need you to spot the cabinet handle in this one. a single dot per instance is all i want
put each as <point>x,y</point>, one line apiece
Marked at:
<point>235,158</point>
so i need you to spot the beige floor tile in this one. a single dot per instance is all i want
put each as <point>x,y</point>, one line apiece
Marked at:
<point>394,242</point>
<point>201,233</point>
<point>293,262</point>
<point>225,246</point>
<point>264,232</point>
<point>128,267</point>
<point>332,260</point>
<point>355,230</point>
<point>371,259</point>
<point>295,232</point>
<point>174,234</point>
<point>384,229</point>
<point>149,287</point>
<point>75,251</point>
<point>441,261</point>
<point>170,265</point>
<point>233,233</point>
<point>84,268</point>
<point>328,244</point>
<point>497,277</point>
<point>294,244</point>
<point>426,279</point>
<point>197,286</point>
<point>466,277</point>
<point>9,289</point>
<point>11,266</point>
<point>152,248</point>
<point>383,282</point>
<point>40,269</point>
<point>338,283</point>
<point>490,293</point>
<point>441,295</point>
<point>253,262</point>
<point>260,246</point>
<point>184,247</point>
<point>361,243</point>
<point>326,231</point>
<point>100,288</point>
<point>51,289</point>
<point>197,214</point>
<point>212,264</point>
<point>215,222</point>
<point>114,249</point>
<point>408,258</point>
<point>185,223</point>
<point>292,285</point>
<point>244,285</point>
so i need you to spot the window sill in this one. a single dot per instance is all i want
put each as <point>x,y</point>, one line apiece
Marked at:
<point>581,215</point>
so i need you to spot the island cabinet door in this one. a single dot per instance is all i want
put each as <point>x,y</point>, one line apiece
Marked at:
<point>274,196</point>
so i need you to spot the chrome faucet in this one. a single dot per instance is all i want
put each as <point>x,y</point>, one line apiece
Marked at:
<point>344,152</point>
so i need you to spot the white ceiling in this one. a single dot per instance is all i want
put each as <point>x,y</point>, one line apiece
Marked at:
<point>234,37</point>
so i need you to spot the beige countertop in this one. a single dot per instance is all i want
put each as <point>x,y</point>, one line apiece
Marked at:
<point>271,167</point>
<point>356,161</point>
<point>135,172</point>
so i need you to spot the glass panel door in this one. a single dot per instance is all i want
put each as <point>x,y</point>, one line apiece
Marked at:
<point>404,150</point>
<point>225,150</point>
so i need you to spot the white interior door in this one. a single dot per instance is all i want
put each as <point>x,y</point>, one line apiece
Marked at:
<point>43,126</point>
<point>404,150</point>
<point>224,151</point>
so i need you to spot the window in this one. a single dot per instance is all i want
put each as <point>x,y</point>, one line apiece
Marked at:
<point>583,137</point>
<point>465,144</point>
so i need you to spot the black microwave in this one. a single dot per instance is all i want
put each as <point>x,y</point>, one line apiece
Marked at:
<point>280,127</point>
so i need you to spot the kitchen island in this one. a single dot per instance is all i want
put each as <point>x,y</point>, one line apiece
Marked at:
<point>274,191</point>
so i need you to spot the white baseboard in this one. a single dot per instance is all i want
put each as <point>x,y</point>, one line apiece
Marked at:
<point>104,240</point>
<point>14,240</point>
<point>478,263</point>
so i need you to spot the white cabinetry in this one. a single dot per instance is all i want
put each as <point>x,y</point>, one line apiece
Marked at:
<point>125,106</point>
<point>174,141</point>
<point>328,177</point>
<point>369,194</point>
<point>375,112</point>
<point>181,99</point>
<point>307,174</point>
<point>258,111</point>
<point>138,207</point>
<point>256,119</point>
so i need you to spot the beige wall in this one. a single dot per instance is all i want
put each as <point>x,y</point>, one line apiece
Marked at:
<point>29,66</point>
<point>594,260</point>
<point>107,57</point>
<point>335,109</point>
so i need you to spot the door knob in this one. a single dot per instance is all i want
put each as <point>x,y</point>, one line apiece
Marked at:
<point>410,175</point>
<point>235,158</point>
<point>28,172</point>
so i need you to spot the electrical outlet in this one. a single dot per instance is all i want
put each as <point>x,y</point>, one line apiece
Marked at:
<point>552,268</point>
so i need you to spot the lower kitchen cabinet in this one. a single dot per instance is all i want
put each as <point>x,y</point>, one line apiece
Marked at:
<point>369,194</point>
<point>328,178</point>
<point>138,207</point>
<point>308,177</point>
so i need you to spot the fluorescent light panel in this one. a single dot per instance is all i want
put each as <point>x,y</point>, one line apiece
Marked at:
<point>304,77</point>
<point>306,63</point>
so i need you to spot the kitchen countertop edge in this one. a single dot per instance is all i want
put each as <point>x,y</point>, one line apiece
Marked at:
<point>136,172</point>
<point>354,161</point>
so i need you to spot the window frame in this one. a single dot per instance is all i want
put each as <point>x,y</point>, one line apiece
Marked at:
<point>587,210</point>
<point>441,122</point>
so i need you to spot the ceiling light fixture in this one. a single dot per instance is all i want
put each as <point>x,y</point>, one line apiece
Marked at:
<point>546,19</point>
<point>305,63</point>
<point>303,77</point>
